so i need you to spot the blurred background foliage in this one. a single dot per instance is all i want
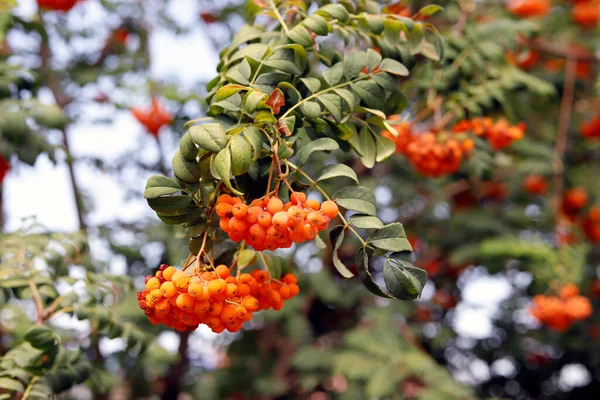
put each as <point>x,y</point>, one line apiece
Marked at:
<point>487,243</point>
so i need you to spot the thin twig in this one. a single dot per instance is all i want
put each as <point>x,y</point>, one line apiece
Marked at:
<point>560,147</point>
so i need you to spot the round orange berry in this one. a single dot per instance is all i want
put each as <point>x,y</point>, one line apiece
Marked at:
<point>153,283</point>
<point>275,205</point>
<point>185,302</point>
<point>297,198</point>
<point>217,286</point>
<point>239,210</point>
<point>222,271</point>
<point>329,208</point>
<point>168,273</point>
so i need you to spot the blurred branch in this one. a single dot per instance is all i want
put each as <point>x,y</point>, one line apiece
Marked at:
<point>564,118</point>
<point>53,82</point>
<point>572,53</point>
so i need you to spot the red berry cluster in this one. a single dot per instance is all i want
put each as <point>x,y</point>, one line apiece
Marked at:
<point>500,134</point>
<point>153,118</point>
<point>590,129</point>
<point>214,298</point>
<point>57,5</point>
<point>269,224</point>
<point>431,154</point>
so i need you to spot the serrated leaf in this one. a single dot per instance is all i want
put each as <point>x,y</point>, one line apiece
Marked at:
<point>362,263</point>
<point>322,144</point>
<point>337,238</point>
<point>158,185</point>
<point>365,221</point>
<point>369,92</point>
<point>246,257</point>
<point>336,171</point>
<point>227,91</point>
<point>403,280</point>
<point>255,138</point>
<point>333,104</point>
<point>373,59</point>
<point>334,75</point>
<point>390,238</point>
<point>368,148</point>
<point>211,137</point>
<point>301,36</point>
<point>284,60</point>
<point>241,155</point>
<point>240,73</point>
<point>313,84</point>
<point>385,148</point>
<point>11,384</point>
<point>317,24</point>
<point>354,62</point>
<point>251,100</point>
<point>393,67</point>
<point>336,11</point>
<point>168,204</point>
<point>223,168</point>
<point>311,109</point>
<point>358,198</point>
<point>186,170</point>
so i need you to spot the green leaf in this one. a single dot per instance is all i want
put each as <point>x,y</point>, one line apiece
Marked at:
<point>211,137</point>
<point>311,109</point>
<point>10,283</point>
<point>254,51</point>
<point>169,204</point>
<point>317,24</point>
<point>241,155</point>
<point>252,99</point>
<point>186,170</point>
<point>337,238</point>
<point>369,92</point>
<point>385,147</point>
<point>348,97</point>
<point>391,32</point>
<point>403,280</point>
<point>255,138</point>
<point>373,59</point>
<point>336,11</point>
<point>322,144</point>
<point>429,10</point>
<point>246,257</point>
<point>362,263</point>
<point>365,221</point>
<point>390,238</point>
<point>393,67</point>
<point>333,104</point>
<point>227,91</point>
<point>41,337</point>
<point>334,75</point>
<point>188,149</point>
<point>240,73</point>
<point>11,384</point>
<point>313,84</point>
<point>354,62</point>
<point>301,36</point>
<point>180,217</point>
<point>336,171</point>
<point>223,168</point>
<point>358,198</point>
<point>284,60</point>
<point>416,38</point>
<point>368,148</point>
<point>158,185</point>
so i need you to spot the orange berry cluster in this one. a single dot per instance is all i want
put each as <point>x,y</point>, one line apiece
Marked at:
<point>591,128</point>
<point>269,224</point>
<point>535,184</point>
<point>559,313</point>
<point>529,8</point>
<point>58,5</point>
<point>500,134</point>
<point>214,298</point>
<point>586,13</point>
<point>430,153</point>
